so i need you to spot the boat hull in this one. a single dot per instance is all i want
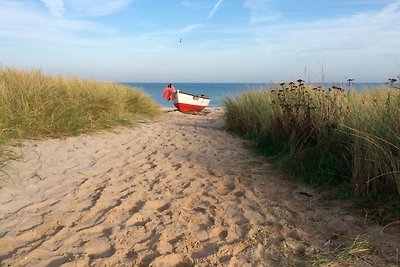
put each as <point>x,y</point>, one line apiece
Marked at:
<point>186,102</point>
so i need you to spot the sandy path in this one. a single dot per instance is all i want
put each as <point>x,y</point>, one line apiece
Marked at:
<point>178,191</point>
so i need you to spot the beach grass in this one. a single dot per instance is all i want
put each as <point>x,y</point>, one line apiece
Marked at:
<point>349,249</point>
<point>327,136</point>
<point>34,106</point>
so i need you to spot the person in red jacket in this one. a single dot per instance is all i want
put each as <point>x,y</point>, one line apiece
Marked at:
<point>169,92</point>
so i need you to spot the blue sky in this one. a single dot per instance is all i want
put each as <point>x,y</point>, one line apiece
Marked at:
<point>222,40</point>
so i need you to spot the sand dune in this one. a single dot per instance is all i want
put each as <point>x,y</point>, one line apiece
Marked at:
<point>179,191</point>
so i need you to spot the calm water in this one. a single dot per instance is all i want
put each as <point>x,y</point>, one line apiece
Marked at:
<point>217,91</point>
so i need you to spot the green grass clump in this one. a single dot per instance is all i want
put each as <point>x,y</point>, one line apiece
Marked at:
<point>34,106</point>
<point>348,250</point>
<point>327,137</point>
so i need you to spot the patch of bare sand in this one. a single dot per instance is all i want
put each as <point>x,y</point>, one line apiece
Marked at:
<point>176,192</point>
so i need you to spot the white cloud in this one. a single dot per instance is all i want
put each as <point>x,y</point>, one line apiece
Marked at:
<point>260,11</point>
<point>254,4</point>
<point>363,2</point>
<point>25,22</point>
<point>97,7</point>
<point>190,4</point>
<point>190,28</point>
<point>364,45</point>
<point>369,29</point>
<point>56,7</point>
<point>198,5</point>
<point>215,9</point>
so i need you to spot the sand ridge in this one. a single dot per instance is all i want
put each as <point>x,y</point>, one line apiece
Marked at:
<point>179,191</point>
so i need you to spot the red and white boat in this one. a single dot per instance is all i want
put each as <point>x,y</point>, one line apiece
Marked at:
<point>186,102</point>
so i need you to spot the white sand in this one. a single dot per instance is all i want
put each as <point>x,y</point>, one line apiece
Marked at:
<point>178,191</point>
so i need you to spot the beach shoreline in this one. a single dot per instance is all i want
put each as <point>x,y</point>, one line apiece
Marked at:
<point>175,191</point>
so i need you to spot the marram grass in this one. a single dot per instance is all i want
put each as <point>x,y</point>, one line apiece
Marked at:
<point>33,105</point>
<point>327,137</point>
<point>352,248</point>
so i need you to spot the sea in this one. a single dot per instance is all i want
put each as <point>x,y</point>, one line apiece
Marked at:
<point>218,91</point>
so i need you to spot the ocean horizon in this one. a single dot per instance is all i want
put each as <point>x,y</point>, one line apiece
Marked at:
<point>218,91</point>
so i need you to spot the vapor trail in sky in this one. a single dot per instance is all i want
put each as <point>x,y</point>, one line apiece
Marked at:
<point>214,10</point>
